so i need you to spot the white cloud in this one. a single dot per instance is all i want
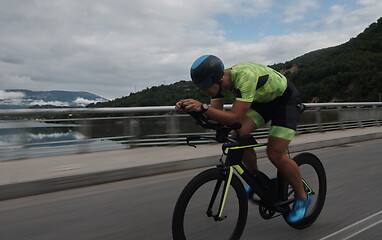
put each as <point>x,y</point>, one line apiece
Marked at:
<point>11,98</point>
<point>297,9</point>
<point>344,18</point>
<point>11,95</point>
<point>84,102</point>
<point>112,48</point>
<point>13,78</point>
<point>41,102</point>
<point>274,49</point>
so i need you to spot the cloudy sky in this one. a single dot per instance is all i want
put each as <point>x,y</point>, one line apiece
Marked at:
<point>115,47</point>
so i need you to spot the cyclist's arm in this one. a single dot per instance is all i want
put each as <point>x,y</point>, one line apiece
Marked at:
<point>237,113</point>
<point>217,103</point>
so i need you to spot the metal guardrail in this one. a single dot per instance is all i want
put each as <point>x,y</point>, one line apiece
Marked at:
<point>139,131</point>
<point>59,111</point>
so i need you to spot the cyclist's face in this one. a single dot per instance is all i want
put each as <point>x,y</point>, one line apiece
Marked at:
<point>212,90</point>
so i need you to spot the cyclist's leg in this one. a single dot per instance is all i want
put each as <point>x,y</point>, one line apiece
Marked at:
<point>277,154</point>
<point>250,124</point>
<point>250,159</point>
<point>277,146</point>
<point>286,113</point>
<point>249,155</point>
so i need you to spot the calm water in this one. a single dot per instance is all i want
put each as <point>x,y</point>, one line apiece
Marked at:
<point>25,139</point>
<point>36,139</point>
<point>16,133</point>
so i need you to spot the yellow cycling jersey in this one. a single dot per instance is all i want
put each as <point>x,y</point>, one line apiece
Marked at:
<point>253,82</point>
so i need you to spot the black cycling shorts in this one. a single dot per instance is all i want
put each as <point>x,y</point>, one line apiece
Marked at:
<point>284,113</point>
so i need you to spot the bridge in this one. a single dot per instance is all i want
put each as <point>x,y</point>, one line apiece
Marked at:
<point>141,208</point>
<point>32,168</point>
<point>130,193</point>
<point>31,133</point>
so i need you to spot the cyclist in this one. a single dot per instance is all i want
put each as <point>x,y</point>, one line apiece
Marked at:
<point>262,95</point>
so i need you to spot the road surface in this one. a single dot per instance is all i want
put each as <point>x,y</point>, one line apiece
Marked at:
<point>142,208</point>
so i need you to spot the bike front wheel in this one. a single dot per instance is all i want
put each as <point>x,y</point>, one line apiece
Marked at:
<point>196,214</point>
<point>314,181</point>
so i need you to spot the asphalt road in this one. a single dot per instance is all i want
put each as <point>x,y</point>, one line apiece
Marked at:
<point>142,208</point>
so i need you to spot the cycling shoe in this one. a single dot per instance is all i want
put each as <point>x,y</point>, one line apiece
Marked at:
<point>299,210</point>
<point>251,194</point>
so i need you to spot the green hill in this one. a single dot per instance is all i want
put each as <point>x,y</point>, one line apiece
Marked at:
<point>164,95</point>
<point>348,72</point>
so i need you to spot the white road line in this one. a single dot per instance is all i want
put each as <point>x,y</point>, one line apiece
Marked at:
<point>353,225</point>
<point>356,233</point>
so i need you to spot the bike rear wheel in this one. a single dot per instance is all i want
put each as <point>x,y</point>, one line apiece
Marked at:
<point>314,180</point>
<point>191,220</point>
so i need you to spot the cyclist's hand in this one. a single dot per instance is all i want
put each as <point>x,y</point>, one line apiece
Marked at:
<point>188,105</point>
<point>180,106</point>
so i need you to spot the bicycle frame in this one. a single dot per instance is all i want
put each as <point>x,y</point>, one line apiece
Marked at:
<point>269,195</point>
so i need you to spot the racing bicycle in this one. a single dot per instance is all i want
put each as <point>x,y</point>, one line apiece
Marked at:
<point>214,204</point>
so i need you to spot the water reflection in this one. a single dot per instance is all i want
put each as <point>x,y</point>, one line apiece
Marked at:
<point>20,133</point>
<point>37,139</point>
<point>25,139</point>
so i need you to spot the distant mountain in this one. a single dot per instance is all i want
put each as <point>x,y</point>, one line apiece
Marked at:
<point>21,98</point>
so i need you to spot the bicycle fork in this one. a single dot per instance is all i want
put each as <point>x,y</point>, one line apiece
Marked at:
<point>227,183</point>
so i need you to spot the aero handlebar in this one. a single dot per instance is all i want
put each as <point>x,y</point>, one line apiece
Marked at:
<point>222,131</point>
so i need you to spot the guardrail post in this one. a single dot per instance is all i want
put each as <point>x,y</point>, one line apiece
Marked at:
<point>319,118</point>
<point>85,129</point>
<point>359,116</point>
<point>376,123</point>
<point>135,129</point>
<point>172,125</point>
<point>339,108</point>
<point>24,153</point>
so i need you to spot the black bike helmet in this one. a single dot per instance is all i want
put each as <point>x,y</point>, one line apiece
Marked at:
<point>206,71</point>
